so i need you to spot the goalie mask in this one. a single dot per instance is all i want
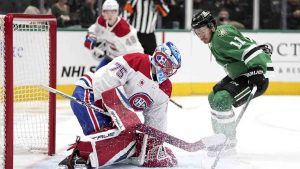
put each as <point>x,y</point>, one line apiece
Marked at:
<point>166,59</point>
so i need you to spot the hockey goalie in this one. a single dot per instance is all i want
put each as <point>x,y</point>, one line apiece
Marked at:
<point>133,82</point>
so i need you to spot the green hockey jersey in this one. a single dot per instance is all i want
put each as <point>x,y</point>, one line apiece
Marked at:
<point>236,53</point>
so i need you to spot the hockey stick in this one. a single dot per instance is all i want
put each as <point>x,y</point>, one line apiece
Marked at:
<point>115,118</point>
<point>191,147</point>
<point>236,124</point>
<point>177,104</point>
<point>203,143</point>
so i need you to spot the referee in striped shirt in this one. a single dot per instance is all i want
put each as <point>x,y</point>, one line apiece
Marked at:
<point>142,15</point>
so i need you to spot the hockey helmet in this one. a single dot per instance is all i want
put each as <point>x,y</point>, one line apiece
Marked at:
<point>203,18</point>
<point>167,60</point>
<point>110,5</point>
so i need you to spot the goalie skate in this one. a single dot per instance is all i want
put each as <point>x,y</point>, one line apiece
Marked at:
<point>74,162</point>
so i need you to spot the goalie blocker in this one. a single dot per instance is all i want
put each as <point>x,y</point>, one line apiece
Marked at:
<point>116,145</point>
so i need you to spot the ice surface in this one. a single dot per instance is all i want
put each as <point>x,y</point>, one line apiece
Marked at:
<point>268,135</point>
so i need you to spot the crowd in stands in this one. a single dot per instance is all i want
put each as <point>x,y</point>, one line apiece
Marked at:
<point>82,13</point>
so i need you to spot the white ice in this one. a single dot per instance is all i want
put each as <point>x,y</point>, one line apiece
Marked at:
<point>268,135</point>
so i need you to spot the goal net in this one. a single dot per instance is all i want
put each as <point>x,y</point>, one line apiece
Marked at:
<point>27,60</point>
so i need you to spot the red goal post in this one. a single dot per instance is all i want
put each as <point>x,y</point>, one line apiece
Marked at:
<point>27,60</point>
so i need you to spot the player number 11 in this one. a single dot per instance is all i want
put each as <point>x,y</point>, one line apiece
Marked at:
<point>239,42</point>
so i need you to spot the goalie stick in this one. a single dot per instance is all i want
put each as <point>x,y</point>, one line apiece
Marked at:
<point>202,144</point>
<point>190,147</point>
<point>250,97</point>
<point>177,104</point>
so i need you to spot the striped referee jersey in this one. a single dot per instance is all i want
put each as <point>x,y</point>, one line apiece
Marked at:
<point>142,14</point>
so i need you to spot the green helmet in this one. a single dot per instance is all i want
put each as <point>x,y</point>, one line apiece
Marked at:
<point>203,18</point>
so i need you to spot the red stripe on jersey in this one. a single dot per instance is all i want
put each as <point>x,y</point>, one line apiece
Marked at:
<point>139,62</point>
<point>101,21</point>
<point>91,112</point>
<point>122,28</point>
<point>89,78</point>
<point>166,86</point>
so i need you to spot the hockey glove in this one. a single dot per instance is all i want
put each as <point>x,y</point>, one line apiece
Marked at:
<point>266,48</point>
<point>90,41</point>
<point>255,77</point>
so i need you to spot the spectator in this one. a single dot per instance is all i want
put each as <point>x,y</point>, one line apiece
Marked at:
<point>87,14</point>
<point>61,11</point>
<point>175,19</point>
<point>149,9</point>
<point>33,7</point>
<point>237,10</point>
<point>293,14</point>
<point>224,18</point>
<point>207,5</point>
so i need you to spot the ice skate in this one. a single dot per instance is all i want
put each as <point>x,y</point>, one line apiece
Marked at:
<point>74,161</point>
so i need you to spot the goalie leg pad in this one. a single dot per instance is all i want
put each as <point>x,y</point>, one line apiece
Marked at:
<point>91,121</point>
<point>150,152</point>
<point>109,151</point>
<point>158,155</point>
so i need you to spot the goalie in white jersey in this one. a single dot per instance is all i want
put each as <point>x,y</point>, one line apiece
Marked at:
<point>113,34</point>
<point>145,80</point>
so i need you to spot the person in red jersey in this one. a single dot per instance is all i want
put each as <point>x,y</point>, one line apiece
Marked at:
<point>144,80</point>
<point>111,36</point>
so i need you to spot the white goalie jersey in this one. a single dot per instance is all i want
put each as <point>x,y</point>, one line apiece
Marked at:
<point>121,38</point>
<point>133,72</point>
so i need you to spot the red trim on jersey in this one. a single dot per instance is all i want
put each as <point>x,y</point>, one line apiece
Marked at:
<point>139,62</point>
<point>89,78</point>
<point>91,112</point>
<point>101,21</point>
<point>122,28</point>
<point>166,86</point>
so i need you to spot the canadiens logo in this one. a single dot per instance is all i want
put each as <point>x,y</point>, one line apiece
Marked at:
<point>140,101</point>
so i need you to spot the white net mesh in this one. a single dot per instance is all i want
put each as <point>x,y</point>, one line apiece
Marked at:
<point>30,69</point>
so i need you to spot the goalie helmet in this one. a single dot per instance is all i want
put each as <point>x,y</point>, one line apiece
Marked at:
<point>110,5</point>
<point>167,60</point>
<point>203,18</point>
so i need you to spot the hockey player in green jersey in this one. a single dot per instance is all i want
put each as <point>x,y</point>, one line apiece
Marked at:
<point>246,65</point>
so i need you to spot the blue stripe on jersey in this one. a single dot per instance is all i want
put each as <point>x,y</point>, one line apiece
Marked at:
<point>85,81</point>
